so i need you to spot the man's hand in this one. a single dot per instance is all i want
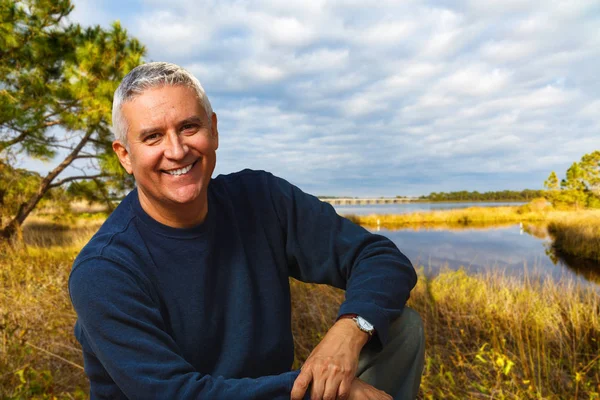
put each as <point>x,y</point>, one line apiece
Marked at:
<point>363,391</point>
<point>331,367</point>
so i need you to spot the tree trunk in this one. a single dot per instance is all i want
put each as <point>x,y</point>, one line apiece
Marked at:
<point>14,226</point>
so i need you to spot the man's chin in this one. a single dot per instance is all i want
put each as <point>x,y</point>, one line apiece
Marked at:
<point>186,196</point>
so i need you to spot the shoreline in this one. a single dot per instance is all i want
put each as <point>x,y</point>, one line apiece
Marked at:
<point>575,232</point>
<point>476,216</point>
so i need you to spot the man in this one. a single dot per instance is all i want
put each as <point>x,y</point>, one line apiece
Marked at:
<point>184,291</point>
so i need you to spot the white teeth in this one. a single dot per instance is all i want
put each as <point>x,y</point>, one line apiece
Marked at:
<point>180,171</point>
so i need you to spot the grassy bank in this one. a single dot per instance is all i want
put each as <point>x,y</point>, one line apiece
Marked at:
<point>487,336</point>
<point>495,337</point>
<point>579,236</point>
<point>472,216</point>
<point>460,217</point>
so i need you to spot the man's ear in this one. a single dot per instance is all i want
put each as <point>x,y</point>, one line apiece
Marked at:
<point>123,155</point>
<point>214,129</point>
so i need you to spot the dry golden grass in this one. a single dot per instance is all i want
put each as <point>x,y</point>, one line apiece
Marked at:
<point>487,336</point>
<point>490,336</point>
<point>38,354</point>
<point>471,217</point>
<point>579,236</point>
<point>468,216</point>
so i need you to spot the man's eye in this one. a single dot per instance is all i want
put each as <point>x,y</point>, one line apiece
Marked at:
<point>151,137</point>
<point>189,127</point>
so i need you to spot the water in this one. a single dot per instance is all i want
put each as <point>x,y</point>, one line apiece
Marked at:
<point>512,250</point>
<point>404,208</point>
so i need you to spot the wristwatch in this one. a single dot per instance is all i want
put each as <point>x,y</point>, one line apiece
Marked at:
<point>362,323</point>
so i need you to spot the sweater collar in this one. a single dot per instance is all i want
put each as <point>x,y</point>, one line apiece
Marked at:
<point>182,233</point>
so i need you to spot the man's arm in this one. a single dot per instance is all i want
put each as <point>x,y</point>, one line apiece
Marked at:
<point>125,331</point>
<point>323,247</point>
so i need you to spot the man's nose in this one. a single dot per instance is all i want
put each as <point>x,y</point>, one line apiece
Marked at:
<point>176,148</point>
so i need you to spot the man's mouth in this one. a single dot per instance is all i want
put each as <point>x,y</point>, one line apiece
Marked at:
<point>181,171</point>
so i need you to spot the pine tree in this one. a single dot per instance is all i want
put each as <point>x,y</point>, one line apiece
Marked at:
<point>590,173</point>
<point>581,186</point>
<point>573,188</point>
<point>552,187</point>
<point>552,182</point>
<point>56,74</point>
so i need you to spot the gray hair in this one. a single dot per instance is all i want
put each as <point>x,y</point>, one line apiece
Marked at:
<point>148,76</point>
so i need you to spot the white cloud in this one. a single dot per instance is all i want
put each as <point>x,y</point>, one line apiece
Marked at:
<point>591,110</point>
<point>476,80</point>
<point>344,90</point>
<point>504,51</point>
<point>287,31</point>
<point>86,13</point>
<point>262,72</point>
<point>388,33</point>
<point>168,34</point>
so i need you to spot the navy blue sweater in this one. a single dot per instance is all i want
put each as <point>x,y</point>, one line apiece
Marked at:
<point>204,312</point>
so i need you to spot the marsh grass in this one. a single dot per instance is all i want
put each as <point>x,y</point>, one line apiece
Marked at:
<point>491,336</point>
<point>471,217</point>
<point>579,236</point>
<point>39,357</point>
<point>488,336</point>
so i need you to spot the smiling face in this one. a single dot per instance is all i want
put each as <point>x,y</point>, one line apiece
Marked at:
<point>171,152</point>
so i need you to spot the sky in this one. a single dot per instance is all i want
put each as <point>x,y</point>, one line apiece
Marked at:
<point>385,98</point>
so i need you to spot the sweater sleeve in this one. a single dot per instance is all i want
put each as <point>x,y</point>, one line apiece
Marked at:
<point>126,334</point>
<point>323,247</point>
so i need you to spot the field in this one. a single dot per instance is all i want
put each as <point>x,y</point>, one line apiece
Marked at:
<point>478,216</point>
<point>488,336</point>
<point>579,236</point>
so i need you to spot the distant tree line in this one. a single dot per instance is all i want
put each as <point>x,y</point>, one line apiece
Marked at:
<point>504,195</point>
<point>581,186</point>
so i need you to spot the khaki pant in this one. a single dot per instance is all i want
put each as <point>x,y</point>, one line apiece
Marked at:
<point>396,369</point>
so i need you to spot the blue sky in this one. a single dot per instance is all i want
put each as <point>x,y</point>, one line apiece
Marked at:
<point>385,98</point>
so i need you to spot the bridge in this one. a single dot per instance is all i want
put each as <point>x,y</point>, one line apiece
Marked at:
<point>338,201</point>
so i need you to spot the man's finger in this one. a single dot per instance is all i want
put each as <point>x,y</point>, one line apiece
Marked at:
<point>317,387</point>
<point>332,385</point>
<point>301,385</point>
<point>344,389</point>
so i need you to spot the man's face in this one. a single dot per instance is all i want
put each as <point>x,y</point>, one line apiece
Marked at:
<point>172,146</point>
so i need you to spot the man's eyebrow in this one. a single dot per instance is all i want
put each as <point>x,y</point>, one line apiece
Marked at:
<point>191,120</point>
<point>147,131</point>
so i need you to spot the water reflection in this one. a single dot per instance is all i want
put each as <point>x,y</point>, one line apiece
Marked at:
<point>404,208</point>
<point>515,250</point>
<point>587,269</point>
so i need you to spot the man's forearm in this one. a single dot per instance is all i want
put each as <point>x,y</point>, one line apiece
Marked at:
<point>356,337</point>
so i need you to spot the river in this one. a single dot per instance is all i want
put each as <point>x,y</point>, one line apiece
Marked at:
<point>514,250</point>
<point>404,208</point>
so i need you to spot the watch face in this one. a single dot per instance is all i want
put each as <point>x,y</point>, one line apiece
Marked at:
<point>364,324</point>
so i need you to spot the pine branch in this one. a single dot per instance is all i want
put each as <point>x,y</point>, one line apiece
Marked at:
<point>8,143</point>
<point>76,178</point>
<point>51,123</point>
<point>87,156</point>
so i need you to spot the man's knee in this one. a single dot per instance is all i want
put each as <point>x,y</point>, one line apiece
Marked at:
<point>397,368</point>
<point>408,329</point>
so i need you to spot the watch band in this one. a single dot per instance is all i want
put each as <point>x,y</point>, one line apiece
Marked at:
<point>355,317</point>
<point>349,316</point>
